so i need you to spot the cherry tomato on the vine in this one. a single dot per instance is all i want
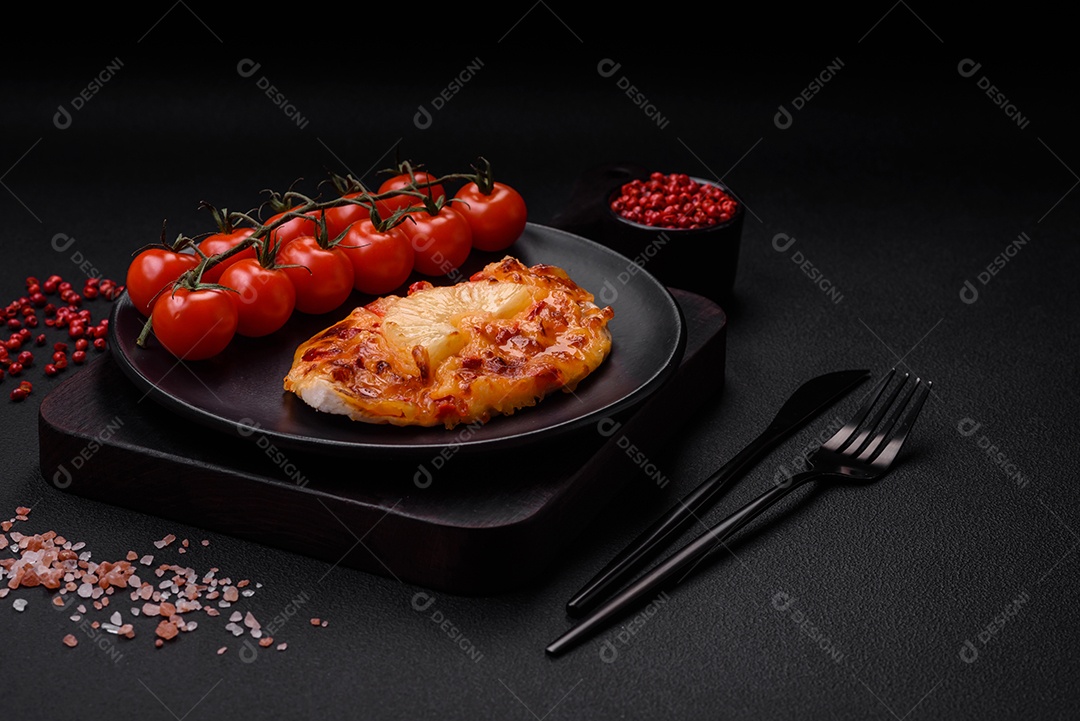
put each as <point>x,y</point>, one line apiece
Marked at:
<point>497,218</point>
<point>441,242</point>
<point>382,260</point>
<point>324,279</point>
<point>403,181</point>
<point>340,217</point>
<point>265,297</point>
<point>152,272</point>
<point>195,324</point>
<point>217,244</point>
<point>292,229</point>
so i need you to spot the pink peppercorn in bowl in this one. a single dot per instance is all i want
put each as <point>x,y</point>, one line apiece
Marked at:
<point>685,231</point>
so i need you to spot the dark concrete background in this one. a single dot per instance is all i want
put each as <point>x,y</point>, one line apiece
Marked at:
<point>900,180</point>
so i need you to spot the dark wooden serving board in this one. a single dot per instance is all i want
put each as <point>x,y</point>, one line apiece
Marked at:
<point>460,524</point>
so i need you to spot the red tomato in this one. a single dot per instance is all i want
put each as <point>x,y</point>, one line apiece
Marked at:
<point>153,271</point>
<point>219,243</point>
<point>442,241</point>
<point>195,324</point>
<point>325,279</point>
<point>265,297</point>
<point>340,217</point>
<point>497,219</point>
<point>382,260</point>
<point>291,229</point>
<point>402,181</point>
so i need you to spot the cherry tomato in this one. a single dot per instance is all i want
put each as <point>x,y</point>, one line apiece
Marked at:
<point>441,242</point>
<point>402,181</point>
<point>382,260</point>
<point>195,324</point>
<point>219,243</point>
<point>340,217</point>
<point>265,297</point>
<point>153,271</point>
<point>325,279</point>
<point>497,218</point>
<point>291,229</point>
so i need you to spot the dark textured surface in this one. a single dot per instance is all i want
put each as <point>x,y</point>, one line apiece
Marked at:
<point>899,181</point>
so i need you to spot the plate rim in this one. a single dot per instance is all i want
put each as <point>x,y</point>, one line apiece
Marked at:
<point>353,449</point>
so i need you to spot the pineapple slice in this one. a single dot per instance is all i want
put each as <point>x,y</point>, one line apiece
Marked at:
<point>434,318</point>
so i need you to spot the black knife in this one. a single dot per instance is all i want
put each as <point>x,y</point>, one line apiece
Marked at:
<point>809,400</point>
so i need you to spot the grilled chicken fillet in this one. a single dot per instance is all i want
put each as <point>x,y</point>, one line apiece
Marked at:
<point>456,354</point>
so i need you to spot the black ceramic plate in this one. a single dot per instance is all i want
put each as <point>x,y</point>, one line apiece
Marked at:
<point>240,391</point>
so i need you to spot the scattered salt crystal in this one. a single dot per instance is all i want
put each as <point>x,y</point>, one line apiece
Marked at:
<point>135,611</point>
<point>250,621</point>
<point>282,646</point>
<point>70,641</point>
<point>19,604</point>
<point>146,560</point>
<point>85,590</point>
<point>248,593</point>
<point>166,630</point>
<point>236,616</point>
<point>78,546</point>
<point>76,618</point>
<point>191,625</point>
<point>116,618</point>
<point>81,608</point>
<point>223,649</point>
<point>205,542</point>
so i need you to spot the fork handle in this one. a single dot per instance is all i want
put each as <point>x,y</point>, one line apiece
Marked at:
<point>683,559</point>
<point>724,530</point>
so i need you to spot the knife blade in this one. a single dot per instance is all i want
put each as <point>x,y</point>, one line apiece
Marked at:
<point>805,404</point>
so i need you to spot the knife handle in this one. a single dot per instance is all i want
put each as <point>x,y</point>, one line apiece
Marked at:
<point>659,534</point>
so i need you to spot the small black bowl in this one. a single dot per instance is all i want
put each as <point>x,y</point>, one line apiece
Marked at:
<point>700,260</point>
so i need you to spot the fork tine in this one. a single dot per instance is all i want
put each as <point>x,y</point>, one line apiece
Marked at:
<point>859,442</point>
<point>887,444</point>
<point>843,436</point>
